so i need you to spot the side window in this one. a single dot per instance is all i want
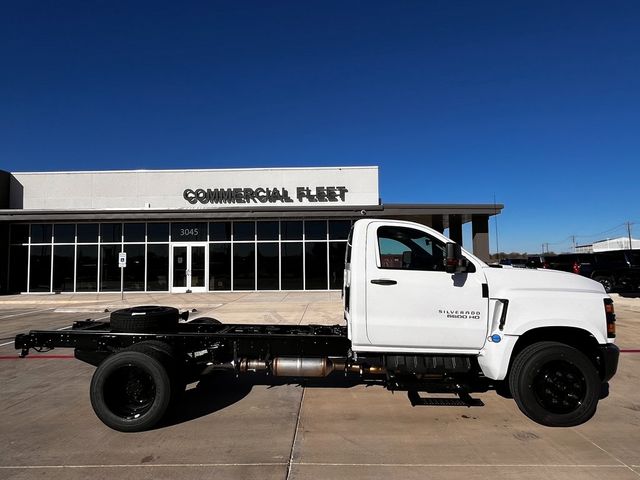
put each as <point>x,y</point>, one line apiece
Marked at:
<point>409,249</point>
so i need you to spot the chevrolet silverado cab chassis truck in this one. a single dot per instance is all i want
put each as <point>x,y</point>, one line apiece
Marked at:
<point>422,315</point>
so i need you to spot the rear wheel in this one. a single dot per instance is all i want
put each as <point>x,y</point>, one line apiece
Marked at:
<point>171,361</point>
<point>131,391</point>
<point>555,385</point>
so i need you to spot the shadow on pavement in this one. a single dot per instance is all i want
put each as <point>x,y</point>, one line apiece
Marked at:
<point>629,294</point>
<point>220,390</point>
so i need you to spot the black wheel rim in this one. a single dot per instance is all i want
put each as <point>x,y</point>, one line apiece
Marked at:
<point>559,387</point>
<point>129,392</point>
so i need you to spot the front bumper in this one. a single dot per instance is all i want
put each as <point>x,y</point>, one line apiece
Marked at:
<point>609,355</point>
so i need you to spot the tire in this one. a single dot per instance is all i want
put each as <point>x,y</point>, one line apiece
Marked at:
<point>171,361</point>
<point>502,389</point>
<point>555,385</point>
<point>131,391</point>
<point>145,319</point>
<point>607,283</point>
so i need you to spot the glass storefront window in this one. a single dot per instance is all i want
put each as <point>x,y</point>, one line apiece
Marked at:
<point>263,255</point>
<point>40,269</point>
<point>87,268</point>
<point>291,254</point>
<point>134,232</point>
<point>134,271</point>
<point>19,234</point>
<point>109,269</point>
<point>291,230</point>
<point>63,259</point>
<point>157,232</point>
<point>158,267</point>
<point>41,233</point>
<point>267,230</point>
<point>315,256</point>
<point>336,264</point>
<point>220,266</point>
<point>315,229</point>
<point>339,229</point>
<point>220,231</point>
<point>111,232</point>
<point>243,231</point>
<point>268,271</point>
<point>87,232</point>
<point>244,266</point>
<point>18,261</point>
<point>64,233</point>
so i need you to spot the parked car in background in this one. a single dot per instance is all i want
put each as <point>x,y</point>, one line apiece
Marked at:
<point>514,262</point>
<point>616,270</point>
<point>537,261</point>
<point>580,263</point>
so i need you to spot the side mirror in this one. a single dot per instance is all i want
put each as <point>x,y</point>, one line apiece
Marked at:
<point>455,262</point>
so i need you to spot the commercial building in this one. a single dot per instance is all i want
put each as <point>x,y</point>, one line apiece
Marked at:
<point>197,230</point>
<point>609,245</point>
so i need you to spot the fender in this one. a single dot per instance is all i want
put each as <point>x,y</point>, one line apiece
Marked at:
<point>495,357</point>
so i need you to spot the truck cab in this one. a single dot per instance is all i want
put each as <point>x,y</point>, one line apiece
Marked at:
<point>410,292</point>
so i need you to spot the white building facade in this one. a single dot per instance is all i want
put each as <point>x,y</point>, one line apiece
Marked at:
<point>196,230</point>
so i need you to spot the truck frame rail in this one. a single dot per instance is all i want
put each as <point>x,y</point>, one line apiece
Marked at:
<point>243,339</point>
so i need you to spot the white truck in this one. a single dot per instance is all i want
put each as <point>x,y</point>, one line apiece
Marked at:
<point>422,315</point>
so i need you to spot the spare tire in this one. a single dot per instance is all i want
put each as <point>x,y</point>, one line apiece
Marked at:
<point>145,319</point>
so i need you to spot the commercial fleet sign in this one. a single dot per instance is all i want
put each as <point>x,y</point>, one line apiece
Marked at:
<point>206,189</point>
<point>265,195</point>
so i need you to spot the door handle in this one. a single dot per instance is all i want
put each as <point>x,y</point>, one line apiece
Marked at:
<point>383,281</point>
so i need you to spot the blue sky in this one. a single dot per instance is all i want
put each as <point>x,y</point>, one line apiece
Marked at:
<point>537,103</point>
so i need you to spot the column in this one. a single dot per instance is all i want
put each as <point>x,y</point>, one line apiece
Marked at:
<point>455,228</point>
<point>480,232</point>
<point>437,223</point>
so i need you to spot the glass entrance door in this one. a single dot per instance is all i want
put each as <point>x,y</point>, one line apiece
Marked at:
<point>189,268</point>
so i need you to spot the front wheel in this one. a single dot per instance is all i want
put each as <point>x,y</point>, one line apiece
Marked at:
<point>555,385</point>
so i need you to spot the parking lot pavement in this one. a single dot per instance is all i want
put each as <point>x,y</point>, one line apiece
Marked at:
<point>235,428</point>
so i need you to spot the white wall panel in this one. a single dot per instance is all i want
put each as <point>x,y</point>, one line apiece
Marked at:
<point>164,189</point>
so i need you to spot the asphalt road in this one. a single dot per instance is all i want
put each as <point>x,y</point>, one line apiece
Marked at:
<point>229,428</point>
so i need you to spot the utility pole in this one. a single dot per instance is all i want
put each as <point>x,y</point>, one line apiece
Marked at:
<point>495,219</point>
<point>573,242</point>
<point>629,234</point>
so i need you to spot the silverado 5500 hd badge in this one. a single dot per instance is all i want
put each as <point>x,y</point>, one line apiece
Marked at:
<point>463,314</point>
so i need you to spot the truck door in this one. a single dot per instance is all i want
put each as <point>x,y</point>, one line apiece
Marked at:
<point>412,303</point>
